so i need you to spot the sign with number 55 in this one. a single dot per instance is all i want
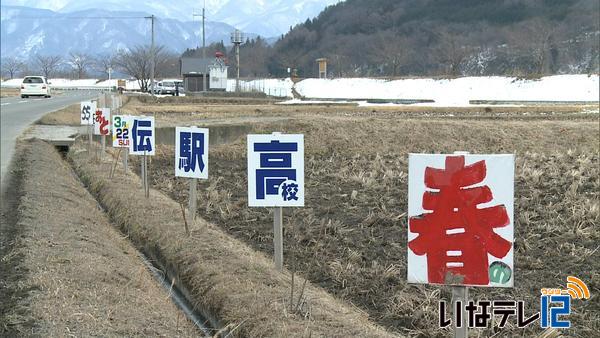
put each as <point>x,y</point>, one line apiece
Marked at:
<point>87,111</point>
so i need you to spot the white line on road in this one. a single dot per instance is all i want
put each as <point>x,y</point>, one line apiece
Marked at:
<point>4,104</point>
<point>22,101</point>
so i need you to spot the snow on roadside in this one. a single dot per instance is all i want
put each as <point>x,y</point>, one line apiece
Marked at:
<point>12,83</point>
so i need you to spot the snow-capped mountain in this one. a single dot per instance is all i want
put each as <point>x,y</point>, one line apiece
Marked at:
<point>27,31</point>
<point>266,18</point>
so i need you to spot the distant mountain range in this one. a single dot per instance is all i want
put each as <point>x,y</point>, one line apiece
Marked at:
<point>445,37</point>
<point>27,31</point>
<point>268,19</point>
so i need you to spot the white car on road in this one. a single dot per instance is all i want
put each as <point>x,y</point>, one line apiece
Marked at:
<point>35,86</point>
<point>164,88</point>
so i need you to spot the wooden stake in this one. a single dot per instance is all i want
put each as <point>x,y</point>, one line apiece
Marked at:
<point>187,229</point>
<point>460,293</point>
<point>103,140</point>
<point>143,174</point>
<point>193,199</point>
<point>90,132</point>
<point>125,157</point>
<point>114,166</point>
<point>278,237</point>
<point>147,185</point>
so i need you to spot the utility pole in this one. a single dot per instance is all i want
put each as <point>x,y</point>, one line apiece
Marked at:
<point>203,31</point>
<point>203,46</point>
<point>236,38</point>
<point>152,57</point>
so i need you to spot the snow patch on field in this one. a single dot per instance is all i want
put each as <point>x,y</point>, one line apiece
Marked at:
<point>444,92</point>
<point>456,92</point>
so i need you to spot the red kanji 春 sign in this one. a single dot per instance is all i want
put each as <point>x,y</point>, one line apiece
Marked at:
<point>454,216</point>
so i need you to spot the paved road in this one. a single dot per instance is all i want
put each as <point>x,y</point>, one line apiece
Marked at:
<point>16,114</point>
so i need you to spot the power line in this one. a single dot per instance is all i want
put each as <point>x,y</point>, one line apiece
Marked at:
<point>81,17</point>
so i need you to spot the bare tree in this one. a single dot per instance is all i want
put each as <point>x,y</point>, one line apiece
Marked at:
<point>11,66</point>
<point>106,64</point>
<point>80,62</point>
<point>452,51</point>
<point>533,39</point>
<point>137,63</point>
<point>167,65</point>
<point>393,51</point>
<point>539,36</point>
<point>47,64</point>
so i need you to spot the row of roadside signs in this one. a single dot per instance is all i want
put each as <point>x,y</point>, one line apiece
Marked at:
<point>275,161</point>
<point>451,197</point>
<point>122,128</point>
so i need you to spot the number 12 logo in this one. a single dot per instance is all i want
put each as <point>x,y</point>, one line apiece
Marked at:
<point>551,319</point>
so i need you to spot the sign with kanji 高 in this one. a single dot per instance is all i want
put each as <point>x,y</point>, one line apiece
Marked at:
<point>121,125</point>
<point>460,226</point>
<point>87,112</point>
<point>142,136</point>
<point>276,170</point>
<point>102,121</point>
<point>191,152</point>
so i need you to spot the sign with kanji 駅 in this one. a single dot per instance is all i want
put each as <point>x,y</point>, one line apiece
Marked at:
<point>142,136</point>
<point>191,152</point>
<point>102,121</point>
<point>121,125</point>
<point>460,219</point>
<point>87,112</point>
<point>276,170</point>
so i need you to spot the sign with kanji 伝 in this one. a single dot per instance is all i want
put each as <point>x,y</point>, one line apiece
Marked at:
<point>121,125</point>
<point>276,170</point>
<point>460,226</point>
<point>87,112</point>
<point>191,152</point>
<point>102,121</point>
<point>142,136</point>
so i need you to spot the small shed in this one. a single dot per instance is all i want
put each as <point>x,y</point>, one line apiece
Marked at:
<point>193,69</point>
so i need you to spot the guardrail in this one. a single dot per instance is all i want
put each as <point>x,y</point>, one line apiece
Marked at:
<point>103,88</point>
<point>532,102</point>
<point>99,88</point>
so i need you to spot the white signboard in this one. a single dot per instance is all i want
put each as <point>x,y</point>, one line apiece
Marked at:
<point>461,225</point>
<point>276,170</point>
<point>142,136</point>
<point>87,112</point>
<point>191,152</point>
<point>121,127</point>
<point>102,121</point>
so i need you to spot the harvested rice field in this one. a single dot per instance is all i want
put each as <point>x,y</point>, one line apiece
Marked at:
<point>351,236</point>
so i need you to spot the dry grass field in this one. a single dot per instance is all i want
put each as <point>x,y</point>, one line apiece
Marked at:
<point>65,271</point>
<point>351,237</point>
<point>8,92</point>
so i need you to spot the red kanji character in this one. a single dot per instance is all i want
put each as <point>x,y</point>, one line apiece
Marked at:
<point>456,236</point>
<point>103,122</point>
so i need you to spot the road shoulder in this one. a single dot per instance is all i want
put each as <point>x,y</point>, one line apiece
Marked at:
<point>66,270</point>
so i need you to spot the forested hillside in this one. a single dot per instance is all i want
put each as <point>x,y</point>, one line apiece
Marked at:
<point>437,38</point>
